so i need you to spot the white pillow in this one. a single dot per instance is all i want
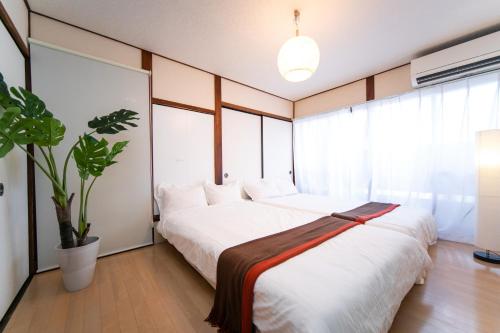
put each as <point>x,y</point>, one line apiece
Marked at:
<point>285,187</point>
<point>172,198</point>
<point>261,189</point>
<point>217,194</point>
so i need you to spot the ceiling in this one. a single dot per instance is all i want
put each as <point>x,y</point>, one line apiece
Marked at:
<point>240,39</point>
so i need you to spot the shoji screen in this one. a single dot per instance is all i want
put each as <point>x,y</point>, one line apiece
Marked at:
<point>183,146</point>
<point>277,145</point>
<point>76,89</point>
<point>241,146</point>
<point>13,204</point>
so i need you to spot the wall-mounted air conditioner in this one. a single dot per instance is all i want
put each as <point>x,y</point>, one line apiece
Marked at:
<point>473,57</point>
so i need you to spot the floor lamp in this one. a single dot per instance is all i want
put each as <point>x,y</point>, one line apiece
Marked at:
<point>488,196</point>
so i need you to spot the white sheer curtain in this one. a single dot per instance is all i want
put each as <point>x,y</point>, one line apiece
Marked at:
<point>416,149</point>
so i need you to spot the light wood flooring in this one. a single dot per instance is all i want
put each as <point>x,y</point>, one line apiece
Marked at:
<point>153,289</point>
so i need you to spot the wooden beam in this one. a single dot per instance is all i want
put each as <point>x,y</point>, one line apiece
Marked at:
<point>11,28</point>
<point>147,64</point>
<point>183,106</point>
<point>30,167</point>
<point>370,88</point>
<point>218,130</point>
<point>253,111</point>
<point>146,60</point>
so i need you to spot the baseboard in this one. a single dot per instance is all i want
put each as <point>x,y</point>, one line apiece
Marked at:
<point>15,302</point>
<point>106,254</point>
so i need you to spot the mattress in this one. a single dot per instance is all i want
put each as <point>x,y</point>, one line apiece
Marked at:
<point>414,222</point>
<point>353,282</point>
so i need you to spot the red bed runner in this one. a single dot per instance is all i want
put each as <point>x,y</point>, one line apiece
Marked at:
<point>239,267</point>
<point>367,211</point>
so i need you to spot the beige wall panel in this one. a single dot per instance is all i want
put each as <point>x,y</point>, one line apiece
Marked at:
<point>239,94</point>
<point>82,41</point>
<point>353,93</point>
<point>18,13</point>
<point>183,84</point>
<point>394,82</point>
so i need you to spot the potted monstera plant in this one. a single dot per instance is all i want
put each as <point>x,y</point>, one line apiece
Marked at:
<point>24,119</point>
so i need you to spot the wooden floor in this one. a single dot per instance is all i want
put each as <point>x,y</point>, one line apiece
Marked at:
<point>154,290</point>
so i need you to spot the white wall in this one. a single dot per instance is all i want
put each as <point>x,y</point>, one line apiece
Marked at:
<point>82,41</point>
<point>14,203</point>
<point>239,94</point>
<point>18,13</point>
<point>182,84</point>
<point>350,94</point>
<point>76,89</point>
<point>394,82</point>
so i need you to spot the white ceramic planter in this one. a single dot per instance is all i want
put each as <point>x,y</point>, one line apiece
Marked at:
<point>78,264</point>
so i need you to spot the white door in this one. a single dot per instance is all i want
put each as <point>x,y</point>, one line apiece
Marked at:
<point>277,144</point>
<point>241,146</point>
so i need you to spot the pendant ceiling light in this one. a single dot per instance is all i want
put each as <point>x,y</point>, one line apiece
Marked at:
<point>298,58</point>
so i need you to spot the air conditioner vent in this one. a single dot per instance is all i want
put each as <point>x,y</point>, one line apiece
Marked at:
<point>474,57</point>
<point>462,71</point>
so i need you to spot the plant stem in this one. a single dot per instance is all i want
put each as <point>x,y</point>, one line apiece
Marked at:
<point>49,159</point>
<point>87,198</point>
<point>51,169</point>
<point>66,160</point>
<point>54,165</point>
<point>54,182</point>
<point>81,220</point>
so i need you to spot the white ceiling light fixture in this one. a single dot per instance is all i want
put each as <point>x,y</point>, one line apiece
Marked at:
<point>298,58</point>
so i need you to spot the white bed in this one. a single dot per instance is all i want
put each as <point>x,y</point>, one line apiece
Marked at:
<point>354,282</point>
<point>415,222</point>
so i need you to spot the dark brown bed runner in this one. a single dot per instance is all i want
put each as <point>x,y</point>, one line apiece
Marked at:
<point>239,267</point>
<point>367,211</point>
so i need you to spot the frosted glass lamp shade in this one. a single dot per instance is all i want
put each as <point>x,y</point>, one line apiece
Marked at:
<point>488,190</point>
<point>298,58</point>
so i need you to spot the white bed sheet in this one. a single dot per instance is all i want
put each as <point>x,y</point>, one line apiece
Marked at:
<point>414,222</point>
<point>354,282</point>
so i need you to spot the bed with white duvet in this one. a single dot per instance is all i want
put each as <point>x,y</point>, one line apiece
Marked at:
<point>412,221</point>
<point>353,282</point>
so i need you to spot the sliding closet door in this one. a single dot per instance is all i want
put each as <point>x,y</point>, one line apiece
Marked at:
<point>277,145</point>
<point>76,89</point>
<point>183,146</point>
<point>13,203</point>
<point>241,146</point>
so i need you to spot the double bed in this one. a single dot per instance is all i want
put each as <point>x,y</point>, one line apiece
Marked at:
<point>414,222</point>
<point>353,282</point>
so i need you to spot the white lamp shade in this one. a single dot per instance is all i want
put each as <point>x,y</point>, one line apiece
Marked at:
<point>298,58</point>
<point>488,190</point>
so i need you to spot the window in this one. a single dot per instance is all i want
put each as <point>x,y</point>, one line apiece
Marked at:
<point>416,149</point>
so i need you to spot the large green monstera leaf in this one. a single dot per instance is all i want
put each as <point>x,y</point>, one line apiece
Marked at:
<point>91,156</point>
<point>47,132</point>
<point>114,122</point>
<point>31,106</point>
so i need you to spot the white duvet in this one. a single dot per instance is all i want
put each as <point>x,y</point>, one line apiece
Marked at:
<point>414,222</point>
<point>353,282</point>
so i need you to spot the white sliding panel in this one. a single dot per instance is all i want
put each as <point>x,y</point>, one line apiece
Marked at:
<point>183,146</point>
<point>76,89</point>
<point>241,146</point>
<point>14,203</point>
<point>277,145</point>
